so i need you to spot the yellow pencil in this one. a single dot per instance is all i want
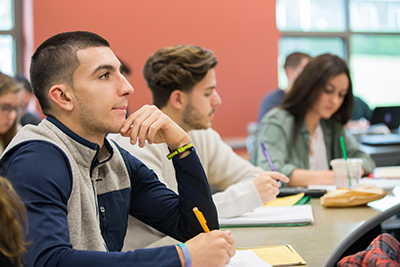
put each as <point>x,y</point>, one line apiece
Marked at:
<point>201,219</point>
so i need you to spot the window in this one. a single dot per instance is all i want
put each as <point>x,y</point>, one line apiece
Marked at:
<point>365,32</point>
<point>10,36</point>
<point>310,45</point>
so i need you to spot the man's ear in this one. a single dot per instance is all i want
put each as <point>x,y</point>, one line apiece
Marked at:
<point>61,95</point>
<point>178,99</point>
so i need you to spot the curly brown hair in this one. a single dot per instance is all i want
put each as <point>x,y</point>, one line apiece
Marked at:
<point>12,214</point>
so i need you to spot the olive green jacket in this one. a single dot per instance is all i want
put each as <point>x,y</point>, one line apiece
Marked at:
<point>276,131</point>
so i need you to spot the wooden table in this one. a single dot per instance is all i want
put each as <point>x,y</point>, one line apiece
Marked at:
<point>314,243</point>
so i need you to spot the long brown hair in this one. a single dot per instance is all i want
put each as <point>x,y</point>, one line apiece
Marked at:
<point>12,214</point>
<point>309,85</point>
<point>8,85</point>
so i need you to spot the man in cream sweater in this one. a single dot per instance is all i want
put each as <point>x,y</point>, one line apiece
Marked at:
<point>183,84</point>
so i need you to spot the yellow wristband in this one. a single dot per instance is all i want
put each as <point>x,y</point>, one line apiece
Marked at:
<point>179,150</point>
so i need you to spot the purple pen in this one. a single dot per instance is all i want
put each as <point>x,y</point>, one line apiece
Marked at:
<point>265,151</point>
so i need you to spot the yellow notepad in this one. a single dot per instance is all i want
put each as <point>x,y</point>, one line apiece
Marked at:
<point>278,255</point>
<point>284,201</point>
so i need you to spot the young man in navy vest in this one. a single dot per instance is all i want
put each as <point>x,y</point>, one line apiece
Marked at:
<point>79,187</point>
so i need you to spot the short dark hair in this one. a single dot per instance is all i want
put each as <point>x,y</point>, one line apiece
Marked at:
<point>293,60</point>
<point>56,60</point>
<point>309,85</point>
<point>178,67</point>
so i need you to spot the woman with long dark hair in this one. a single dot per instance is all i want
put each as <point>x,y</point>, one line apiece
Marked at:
<point>303,134</point>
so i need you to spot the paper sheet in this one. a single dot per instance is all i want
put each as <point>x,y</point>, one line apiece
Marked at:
<point>279,255</point>
<point>244,258</point>
<point>272,256</point>
<point>326,187</point>
<point>285,201</point>
<point>385,203</point>
<point>385,184</point>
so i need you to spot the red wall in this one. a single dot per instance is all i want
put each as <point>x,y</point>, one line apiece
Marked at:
<point>242,35</point>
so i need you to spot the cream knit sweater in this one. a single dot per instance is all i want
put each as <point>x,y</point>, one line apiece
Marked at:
<point>228,174</point>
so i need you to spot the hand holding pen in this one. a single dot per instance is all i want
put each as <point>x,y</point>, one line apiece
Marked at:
<point>266,154</point>
<point>267,184</point>
<point>265,151</point>
<point>213,248</point>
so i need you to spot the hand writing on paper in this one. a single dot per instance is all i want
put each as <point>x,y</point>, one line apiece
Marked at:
<point>267,185</point>
<point>212,249</point>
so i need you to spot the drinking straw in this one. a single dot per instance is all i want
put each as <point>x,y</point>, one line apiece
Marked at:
<point>345,158</point>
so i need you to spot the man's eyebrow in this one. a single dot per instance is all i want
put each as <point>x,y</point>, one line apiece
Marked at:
<point>103,67</point>
<point>210,87</point>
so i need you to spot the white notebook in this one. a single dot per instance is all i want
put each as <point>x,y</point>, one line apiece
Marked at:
<point>267,216</point>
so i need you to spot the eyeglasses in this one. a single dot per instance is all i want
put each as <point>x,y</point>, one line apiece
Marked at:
<point>7,108</point>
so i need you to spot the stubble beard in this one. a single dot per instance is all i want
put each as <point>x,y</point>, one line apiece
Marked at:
<point>193,119</point>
